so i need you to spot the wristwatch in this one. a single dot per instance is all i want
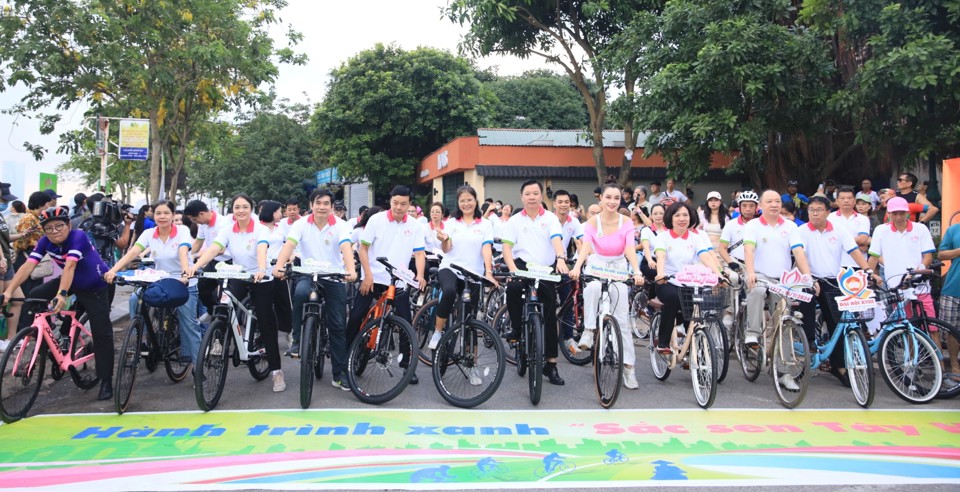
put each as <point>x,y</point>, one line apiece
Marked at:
<point>62,293</point>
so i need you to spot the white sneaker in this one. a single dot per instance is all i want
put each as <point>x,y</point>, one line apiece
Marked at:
<point>475,378</point>
<point>681,330</point>
<point>278,383</point>
<point>630,378</point>
<point>571,346</point>
<point>3,345</point>
<point>204,319</point>
<point>586,339</point>
<point>217,348</point>
<point>788,382</point>
<point>435,340</point>
<point>727,321</point>
<point>751,341</point>
<point>289,339</point>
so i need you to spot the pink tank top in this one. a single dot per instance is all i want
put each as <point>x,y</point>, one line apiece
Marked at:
<point>610,244</point>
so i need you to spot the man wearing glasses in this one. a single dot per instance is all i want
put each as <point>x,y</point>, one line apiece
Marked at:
<point>906,189</point>
<point>82,271</point>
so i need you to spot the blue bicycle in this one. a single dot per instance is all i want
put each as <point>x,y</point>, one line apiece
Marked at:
<point>856,350</point>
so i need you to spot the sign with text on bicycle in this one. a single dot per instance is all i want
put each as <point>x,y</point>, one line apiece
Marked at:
<point>697,276</point>
<point>538,272</point>
<point>145,275</point>
<point>408,277</point>
<point>311,266</point>
<point>791,285</point>
<point>856,296</point>
<point>607,273</point>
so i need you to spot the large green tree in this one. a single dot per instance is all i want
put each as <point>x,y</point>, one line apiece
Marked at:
<point>387,108</point>
<point>172,62</point>
<point>537,99</point>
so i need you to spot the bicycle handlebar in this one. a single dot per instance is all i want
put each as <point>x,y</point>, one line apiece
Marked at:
<point>470,274</point>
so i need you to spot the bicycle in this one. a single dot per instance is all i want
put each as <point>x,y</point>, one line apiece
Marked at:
<point>233,334</point>
<point>608,346</point>
<point>386,340</point>
<point>698,304</point>
<point>161,329</point>
<point>572,323</point>
<point>528,349</point>
<point>23,363</point>
<point>641,313</point>
<point>425,320</point>
<point>469,361</point>
<point>314,338</point>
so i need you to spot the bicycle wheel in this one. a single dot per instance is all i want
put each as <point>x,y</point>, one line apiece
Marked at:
<point>501,325</point>
<point>174,362</point>
<point>608,362</point>
<point>382,360</point>
<point>660,362</point>
<point>947,339</point>
<point>149,353</point>
<point>639,319</point>
<point>703,367</point>
<point>84,374</point>
<point>308,353</point>
<point>791,364</point>
<point>21,374</point>
<point>466,369</point>
<point>258,365</point>
<point>323,350</point>
<point>491,305</point>
<point>424,323</point>
<point>211,369</point>
<point>721,345</point>
<point>751,360</point>
<point>859,367</point>
<point>909,365</point>
<point>583,356</point>
<point>129,360</point>
<point>534,353</point>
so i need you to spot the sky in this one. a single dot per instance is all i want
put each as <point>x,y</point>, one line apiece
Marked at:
<point>333,32</point>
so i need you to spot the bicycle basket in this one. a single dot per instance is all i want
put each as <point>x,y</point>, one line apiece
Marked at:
<point>166,293</point>
<point>710,299</point>
<point>889,301</point>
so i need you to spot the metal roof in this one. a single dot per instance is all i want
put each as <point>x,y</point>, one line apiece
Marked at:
<point>548,138</point>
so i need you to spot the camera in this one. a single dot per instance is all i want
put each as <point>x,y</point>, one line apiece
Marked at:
<point>106,211</point>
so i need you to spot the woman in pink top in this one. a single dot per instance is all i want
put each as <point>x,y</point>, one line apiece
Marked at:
<point>608,241</point>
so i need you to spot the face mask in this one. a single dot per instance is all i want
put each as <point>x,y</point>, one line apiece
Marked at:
<point>3,207</point>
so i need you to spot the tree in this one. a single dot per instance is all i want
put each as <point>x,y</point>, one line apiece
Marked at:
<point>387,108</point>
<point>573,34</point>
<point>537,99</point>
<point>173,62</point>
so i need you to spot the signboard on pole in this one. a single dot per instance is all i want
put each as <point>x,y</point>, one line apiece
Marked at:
<point>134,139</point>
<point>48,181</point>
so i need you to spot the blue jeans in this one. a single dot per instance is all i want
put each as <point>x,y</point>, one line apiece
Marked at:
<point>335,311</point>
<point>187,319</point>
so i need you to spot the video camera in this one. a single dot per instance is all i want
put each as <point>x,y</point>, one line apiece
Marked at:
<point>106,215</point>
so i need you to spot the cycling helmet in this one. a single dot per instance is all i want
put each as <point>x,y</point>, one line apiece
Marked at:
<point>55,213</point>
<point>748,196</point>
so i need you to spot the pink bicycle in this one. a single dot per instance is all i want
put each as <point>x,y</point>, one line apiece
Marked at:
<point>22,366</point>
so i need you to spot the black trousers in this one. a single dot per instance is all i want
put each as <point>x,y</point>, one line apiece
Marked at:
<point>262,295</point>
<point>827,298</point>
<point>670,314</point>
<point>361,305</point>
<point>207,288</point>
<point>547,292</point>
<point>451,286</point>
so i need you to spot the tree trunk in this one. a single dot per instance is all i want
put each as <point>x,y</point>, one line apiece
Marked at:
<point>155,150</point>
<point>629,141</point>
<point>596,129</point>
<point>177,171</point>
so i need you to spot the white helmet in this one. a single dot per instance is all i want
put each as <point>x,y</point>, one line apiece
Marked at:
<point>748,196</point>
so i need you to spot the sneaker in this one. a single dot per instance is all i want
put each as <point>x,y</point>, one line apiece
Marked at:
<point>217,348</point>
<point>278,383</point>
<point>751,341</point>
<point>586,340</point>
<point>727,321</point>
<point>64,344</point>
<point>787,382</point>
<point>435,340</point>
<point>3,345</point>
<point>294,351</point>
<point>475,378</point>
<point>630,378</point>
<point>204,319</point>
<point>289,339</point>
<point>341,382</point>
<point>571,346</point>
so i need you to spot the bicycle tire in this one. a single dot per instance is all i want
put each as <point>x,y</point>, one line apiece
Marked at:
<point>583,356</point>
<point>640,322</point>
<point>608,362</point>
<point>901,377</point>
<point>751,360</point>
<point>703,368</point>
<point>308,353</point>
<point>127,363</point>
<point>387,366</point>
<point>258,365</point>
<point>83,374</point>
<point>459,358</point>
<point>19,392</point>
<point>323,348</point>
<point>721,344</point>
<point>174,363</point>
<point>947,338</point>
<point>859,367</point>
<point>150,355</point>
<point>659,362</point>
<point>790,357</point>
<point>535,356</point>
<point>210,373</point>
<point>424,323</point>
<point>501,325</point>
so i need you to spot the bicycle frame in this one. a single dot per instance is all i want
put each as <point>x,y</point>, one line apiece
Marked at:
<point>846,324</point>
<point>64,361</point>
<point>230,310</point>
<point>780,314</point>
<point>678,352</point>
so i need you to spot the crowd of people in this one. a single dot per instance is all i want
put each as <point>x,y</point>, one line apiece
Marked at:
<point>58,253</point>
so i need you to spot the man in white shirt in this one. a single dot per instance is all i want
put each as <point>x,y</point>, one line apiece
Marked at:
<point>672,195</point>
<point>857,225</point>
<point>534,236</point>
<point>731,246</point>
<point>571,234</point>
<point>291,214</point>
<point>902,244</point>
<point>209,224</point>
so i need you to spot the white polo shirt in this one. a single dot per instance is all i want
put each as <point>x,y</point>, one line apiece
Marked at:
<point>320,243</point>
<point>681,250</point>
<point>732,235</point>
<point>571,229</point>
<point>166,254</point>
<point>430,241</point>
<point>856,225</point>
<point>285,224</point>
<point>900,250</point>
<point>467,238</point>
<point>242,245</point>
<point>209,232</point>
<point>530,237</point>
<point>649,236</point>
<point>825,250</point>
<point>774,244</point>
<point>391,239</point>
<point>275,238</point>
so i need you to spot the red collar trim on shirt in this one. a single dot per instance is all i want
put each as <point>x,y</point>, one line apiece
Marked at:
<point>173,231</point>
<point>684,236</point>
<point>460,220</point>
<point>434,228</point>
<point>236,226</point>
<point>740,220</point>
<point>909,226</point>
<point>763,220</point>
<point>213,220</point>
<point>291,221</point>
<point>331,220</point>
<point>839,214</point>
<point>541,212</point>
<point>391,219</point>
<point>828,228</point>
<point>569,218</point>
